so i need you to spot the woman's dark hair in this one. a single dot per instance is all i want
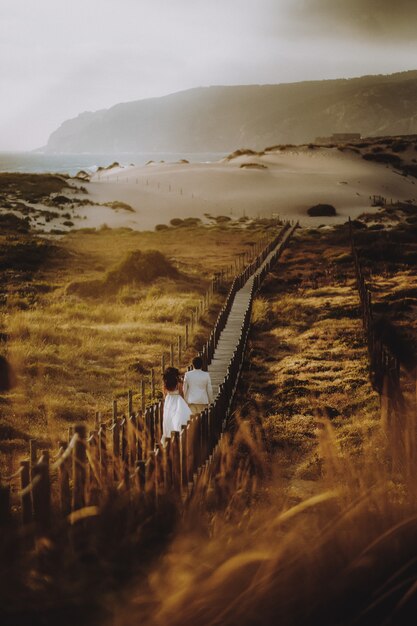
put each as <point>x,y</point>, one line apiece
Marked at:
<point>171,378</point>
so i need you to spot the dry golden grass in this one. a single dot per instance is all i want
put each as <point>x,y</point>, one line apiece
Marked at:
<point>308,360</point>
<point>322,532</point>
<point>250,554</point>
<point>72,355</point>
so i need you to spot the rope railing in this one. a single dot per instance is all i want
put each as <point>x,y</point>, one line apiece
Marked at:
<point>128,454</point>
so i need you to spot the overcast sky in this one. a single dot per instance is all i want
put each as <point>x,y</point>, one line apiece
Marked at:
<point>61,57</point>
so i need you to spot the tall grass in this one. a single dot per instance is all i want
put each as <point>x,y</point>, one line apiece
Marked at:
<point>252,555</point>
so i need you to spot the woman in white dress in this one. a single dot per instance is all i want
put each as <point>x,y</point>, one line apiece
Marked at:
<point>176,410</point>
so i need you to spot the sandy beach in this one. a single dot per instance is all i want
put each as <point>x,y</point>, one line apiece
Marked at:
<point>282,182</point>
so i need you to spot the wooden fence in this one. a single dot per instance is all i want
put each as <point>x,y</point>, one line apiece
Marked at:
<point>384,366</point>
<point>398,415</point>
<point>176,353</point>
<point>126,455</point>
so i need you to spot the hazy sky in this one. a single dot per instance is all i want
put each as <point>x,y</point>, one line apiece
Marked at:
<point>61,57</point>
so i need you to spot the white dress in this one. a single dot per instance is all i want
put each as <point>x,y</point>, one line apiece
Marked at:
<point>176,414</point>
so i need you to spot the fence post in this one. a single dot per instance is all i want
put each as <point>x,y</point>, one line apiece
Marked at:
<point>172,355</point>
<point>79,468</point>
<point>41,492</point>
<point>64,484</point>
<point>102,449</point>
<point>125,444</point>
<point>33,451</point>
<point>129,403</point>
<point>186,337</point>
<point>94,467</point>
<point>152,383</point>
<point>5,508</point>
<point>116,438</point>
<point>176,461</point>
<point>163,364</point>
<point>140,475</point>
<point>184,455</point>
<point>143,396</point>
<point>26,498</point>
<point>179,350</point>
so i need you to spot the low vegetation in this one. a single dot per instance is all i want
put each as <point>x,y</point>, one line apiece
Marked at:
<point>322,210</point>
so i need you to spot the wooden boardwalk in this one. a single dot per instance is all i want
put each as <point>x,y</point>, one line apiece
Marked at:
<point>231,334</point>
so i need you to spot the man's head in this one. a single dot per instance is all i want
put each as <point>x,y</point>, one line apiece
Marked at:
<point>197,362</point>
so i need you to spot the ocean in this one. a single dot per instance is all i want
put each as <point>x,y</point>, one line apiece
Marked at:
<point>38,162</point>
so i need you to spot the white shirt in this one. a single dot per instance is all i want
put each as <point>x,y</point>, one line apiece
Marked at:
<point>197,387</point>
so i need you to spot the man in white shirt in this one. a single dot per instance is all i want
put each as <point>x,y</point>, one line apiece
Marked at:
<point>198,392</point>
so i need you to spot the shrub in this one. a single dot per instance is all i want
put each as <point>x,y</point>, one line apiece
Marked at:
<point>322,210</point>
<point>399,146</point>
<point>383,157</point>
<point>258,166</point>
<point>116,204</point>
<point>241,152</point>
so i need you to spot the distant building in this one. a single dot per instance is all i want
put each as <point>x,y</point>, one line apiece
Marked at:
<point>339,138</point>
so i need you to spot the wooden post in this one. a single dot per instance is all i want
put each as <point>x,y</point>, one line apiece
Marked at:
<point>143,397</point>
<point>93,468</point>
<point>26,499</point>
<point>167,464</point>
<point>116,446</point>
<point>179,349</point>
<point>172,355</point>
<point>33,451</point>
<point>125,444</point>
<point>41,493</point>
<point>97,419</point>
<point>79,468</point>
<point>102,449</point>
<point>150,477</point>
<point>64,484</point>
<point>5,508</point>
<point>159,471</point>
<point>129,403</point>
<point>140,475</point>
<point>162,364</point>
<point>152,383</point>
<point>184,455</point>
<point>186,336</point>
<point>176,461</point>
<point>132,439</point>
<point>116,436</point>
<point>140,443</point>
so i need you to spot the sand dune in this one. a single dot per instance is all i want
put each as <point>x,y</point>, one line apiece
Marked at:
<point>291,181</point>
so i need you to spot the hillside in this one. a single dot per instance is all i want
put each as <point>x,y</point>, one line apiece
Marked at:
<point>221,118</point>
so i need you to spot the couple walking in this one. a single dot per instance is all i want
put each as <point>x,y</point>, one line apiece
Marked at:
<point>183,399</point>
